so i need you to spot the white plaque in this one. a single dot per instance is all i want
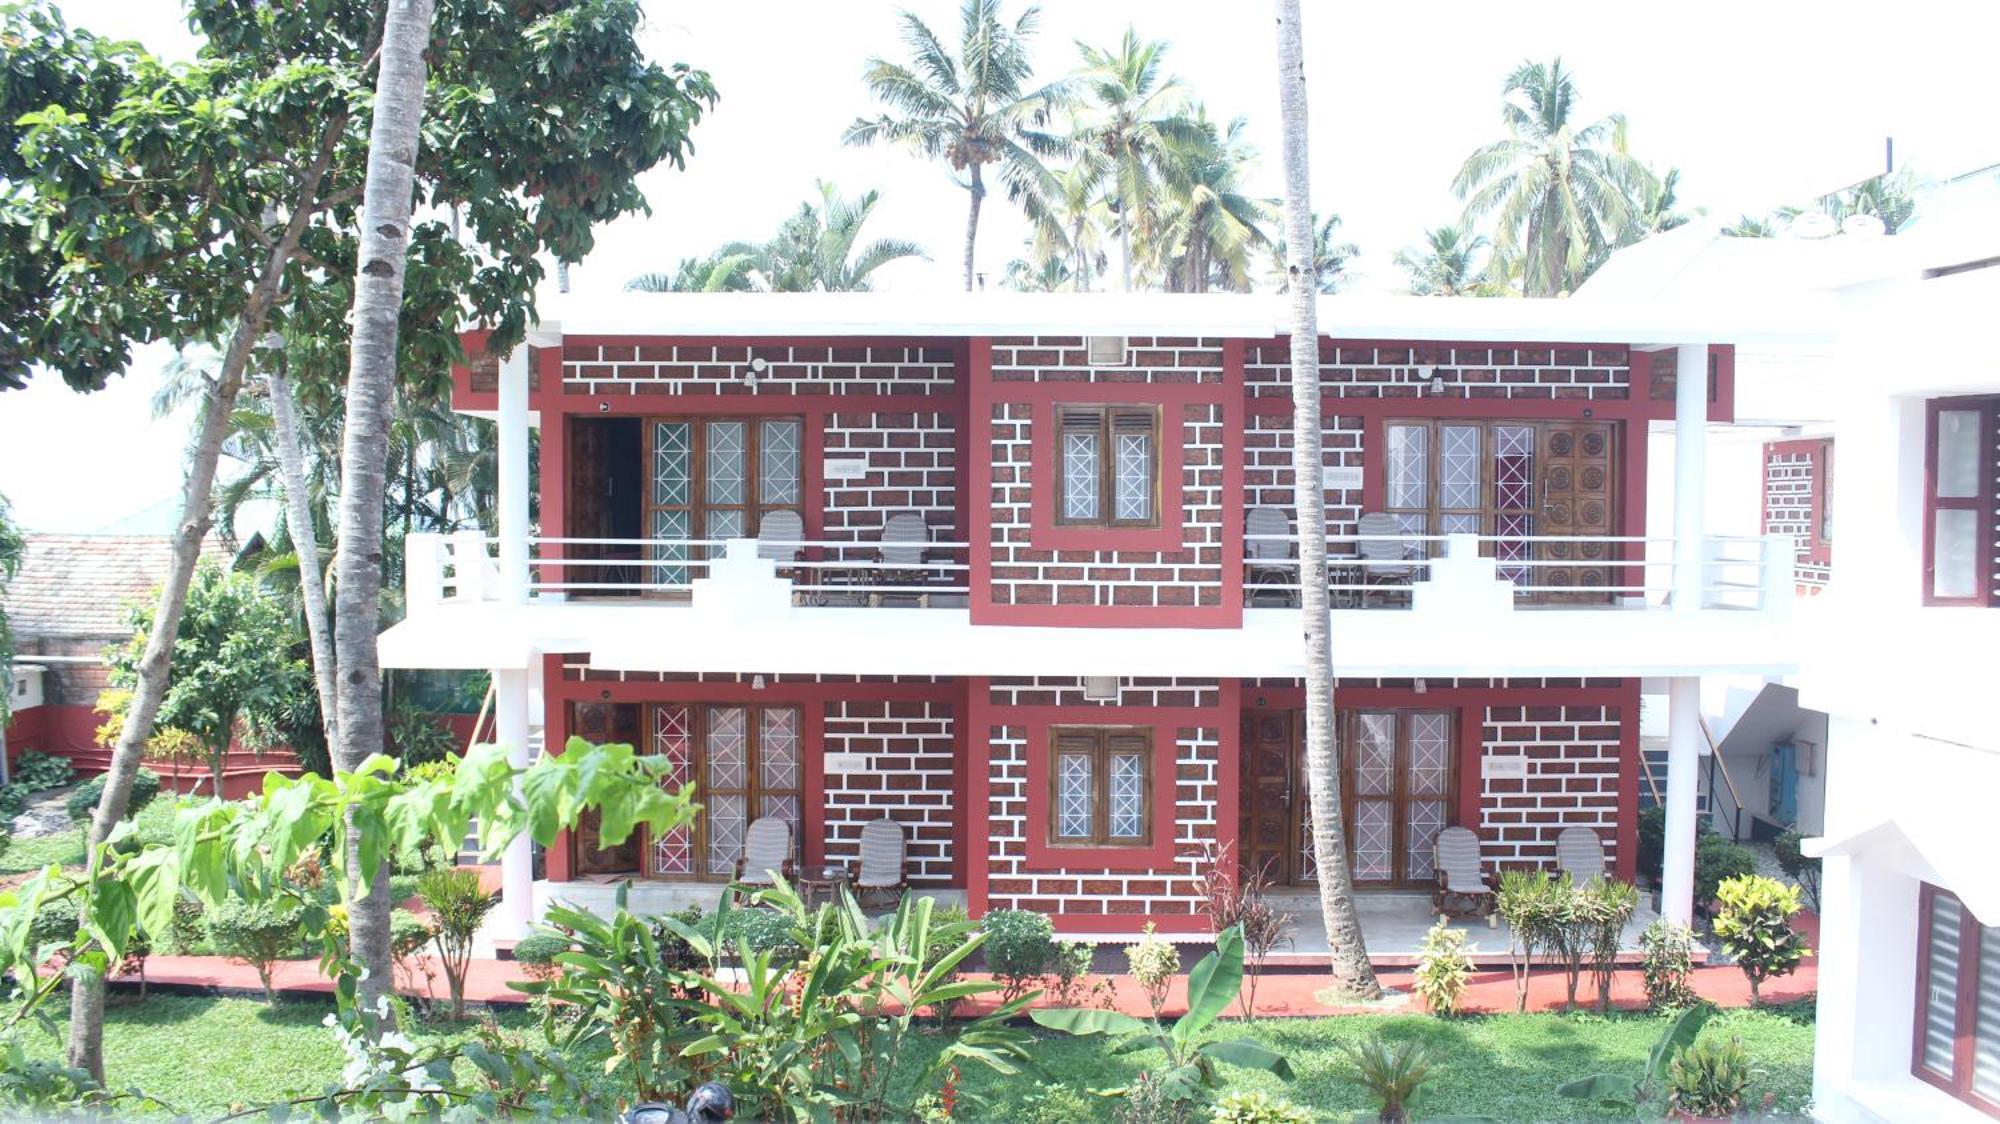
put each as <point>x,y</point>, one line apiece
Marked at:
<point>1506,765</point>
<point>845,468</point>
<point>1343,476</point>
<point>839,764</point>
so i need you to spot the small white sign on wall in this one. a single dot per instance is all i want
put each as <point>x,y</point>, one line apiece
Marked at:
<point>1344,476</point>
<point>841,764</point>
<point>845,468</point>
<point>1504,765</point>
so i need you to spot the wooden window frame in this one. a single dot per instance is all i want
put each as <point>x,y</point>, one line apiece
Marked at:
<point>753,509</point>
<point>1958,1083</point>
<point>1348,735</point>
<point>1106,420</point>
<point>1434,512</point>
<point>1101,753</point>
<point>753,793</point>
<point>1980,504</point>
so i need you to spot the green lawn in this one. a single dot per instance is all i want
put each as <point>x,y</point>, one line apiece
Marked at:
<point>205,1055</point>
<point>154,822</point>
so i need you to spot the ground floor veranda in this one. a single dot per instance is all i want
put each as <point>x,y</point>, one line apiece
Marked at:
<point>1105,804</point>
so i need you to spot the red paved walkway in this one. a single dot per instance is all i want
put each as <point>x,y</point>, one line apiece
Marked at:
<point>1290,993</point>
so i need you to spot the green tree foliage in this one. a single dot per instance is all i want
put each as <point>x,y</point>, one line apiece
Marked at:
<point>1447,264</point>
<point>234,669</point>
<point>819,249</point>
<point>1754,925</point>
<point>1330,256</point>
<point>1562,192</point>
<point>724,271</point>
<point>1131,112</point>
<point>259,934</point>
<point>1394,1074</point>
<point>1647,1092</point>
<point>1211,229</point>
<point>11,548</point>
<point>971,109</point>
<point>457,905</point>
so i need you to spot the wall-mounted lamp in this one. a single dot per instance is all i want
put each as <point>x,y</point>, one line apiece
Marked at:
<point>1437,384</point>
<point>757,368</point>
<point>757,681</point>
<point>1422,686</point>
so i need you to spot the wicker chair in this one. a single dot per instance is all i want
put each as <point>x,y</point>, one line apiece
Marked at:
<point>1462,889</point>
<point>881,869</point>
<point>903,555</point>
<point>1267,554</point>
<point>1580,854</point>
<point>767,853</point>
<point>1385,557</point>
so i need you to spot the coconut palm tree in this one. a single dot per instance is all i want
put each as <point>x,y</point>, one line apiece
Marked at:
<point>1210,229</point>
<point>725,271</point>
<point>1131,112</point>
<point>816,250</point>
<point>1347,949</point>
<point>1047,275</point>
<point>971,109</point>
<point>1447,265</point>
<point>1067,214</point>
<point>1560,192</point>
<point>1330,257</point>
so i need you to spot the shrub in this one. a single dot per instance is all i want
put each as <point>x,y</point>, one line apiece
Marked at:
<point>1391,1074</point>
<point>1532,907</point>
<point>1799,867</point>
<point>257,933</point>
<point>408,933</point>
<point>1443,970</point>
<point>458,904</point>
<point>1668,965</point>
<point>536,954</point>
<point>38,772</point>
<point>189,926</point>
<point>13,798</point>
<point>82,802</point>
<point>1020,944</point>
<point>1652,848</point>
<point>1707,1079</point>
<point>1244,903</point>
<point>1244,1107</point>
<point>1154,964</point>
<point>1716,860</point>
<point>676,954</point>
<point>1754,925</point>
<point>1070,967</point>
<point>1061,1104</point>
<point>948,919</point>
<point>1606,905</point>
<point>54,924</point>
<point>767,930</point>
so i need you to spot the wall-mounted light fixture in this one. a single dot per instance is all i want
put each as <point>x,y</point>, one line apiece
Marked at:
<point>603,407</point>
<point>757,368</point>
<point>756,682</point>
<point>1422,687</point>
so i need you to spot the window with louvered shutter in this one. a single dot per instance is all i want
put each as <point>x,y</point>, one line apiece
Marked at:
<point>1957,1041</point>
<point>1107,466</point>
<point>1100,787</point>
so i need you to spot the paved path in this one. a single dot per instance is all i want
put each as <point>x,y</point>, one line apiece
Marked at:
<point>1278,993</point>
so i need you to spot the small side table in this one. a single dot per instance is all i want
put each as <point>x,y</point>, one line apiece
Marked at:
<point>822,879</point>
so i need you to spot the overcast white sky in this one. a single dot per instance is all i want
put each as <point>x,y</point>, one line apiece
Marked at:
<point>1757,103</point>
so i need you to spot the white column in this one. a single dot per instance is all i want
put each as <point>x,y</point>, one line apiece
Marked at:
<point>1690,471</point>
<point>513,484</point>
<point>517,862</point>
<point>1683,762</point>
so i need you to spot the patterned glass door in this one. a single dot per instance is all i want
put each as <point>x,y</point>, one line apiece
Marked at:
<point>672,854</point>
<point>713,479</point>
<point>745,761</point>
<point>1398,774</point>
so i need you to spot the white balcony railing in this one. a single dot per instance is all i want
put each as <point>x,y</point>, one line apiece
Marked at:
<point>1367,571</point>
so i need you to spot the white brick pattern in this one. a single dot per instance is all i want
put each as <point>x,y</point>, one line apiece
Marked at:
<point>703,370</point>
<point>1267,467</point>
<point>909,751</point>
<point>911,466</point>
<point>1148,360</point>
<point>1572,780</point>
<point>1068,692</point>
<point>1365,370</point>
<point>1788,510</point>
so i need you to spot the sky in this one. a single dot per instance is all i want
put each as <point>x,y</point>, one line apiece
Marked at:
<point>1758,104</point>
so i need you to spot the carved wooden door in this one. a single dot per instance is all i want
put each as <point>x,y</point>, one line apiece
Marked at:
<point>1578,497</point>
<point>604,722</point>
<point>1266,835</point>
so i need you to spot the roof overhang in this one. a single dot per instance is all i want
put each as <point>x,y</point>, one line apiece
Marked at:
<point>1800,319</point>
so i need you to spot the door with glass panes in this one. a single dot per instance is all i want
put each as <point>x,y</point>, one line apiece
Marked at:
<point>744,762</point>
<point>1397,781</point>
<point>714,479</point>
<point>1526,485</point>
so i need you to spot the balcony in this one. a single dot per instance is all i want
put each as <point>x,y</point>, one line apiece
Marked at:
<point>830,609</point>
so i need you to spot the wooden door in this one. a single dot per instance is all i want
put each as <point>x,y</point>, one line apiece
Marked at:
<point>604,722</point>
<point>1397,774</point>
<point>1578,497</point>
<point>1267,833</point>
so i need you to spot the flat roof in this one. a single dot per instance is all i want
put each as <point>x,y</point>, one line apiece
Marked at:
<point>1643,322</point>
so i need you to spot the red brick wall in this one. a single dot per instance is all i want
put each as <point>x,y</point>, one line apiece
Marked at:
<point>1572,755</point>
<point>912,466</point>
<point>1267,467</point>
<point>698,370</point>
<point>1370,369</point>
<point>1792,480</point>
<point>909,778</point>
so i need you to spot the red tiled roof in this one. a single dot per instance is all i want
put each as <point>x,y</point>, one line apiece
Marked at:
<point>81,585</point>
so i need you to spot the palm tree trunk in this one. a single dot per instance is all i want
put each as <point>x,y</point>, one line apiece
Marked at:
<point>1124,248</point>
<point>305,544</point>
<point>85,1048</point>
<point>1348,951</point>
<point>977,186</point>
<point>371,382</point>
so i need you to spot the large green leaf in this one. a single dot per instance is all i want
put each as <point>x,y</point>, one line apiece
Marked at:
<point>1071,1020</point>
<point>1249,1055</point>
<point>1214,984</point>
<point>1605,1088</point>
<point>154,875</point>
<point>1681,1033</point>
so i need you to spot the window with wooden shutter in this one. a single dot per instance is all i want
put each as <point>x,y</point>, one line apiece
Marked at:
<point>1108,466</point>
<point>1960,523</point>
<point>1100,787</point>
<point>1957,1033</point>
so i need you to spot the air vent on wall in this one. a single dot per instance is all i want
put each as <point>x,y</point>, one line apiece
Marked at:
<point>1100,688</point>
<point>1105,351</point>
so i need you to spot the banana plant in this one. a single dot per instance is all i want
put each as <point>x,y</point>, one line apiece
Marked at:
<point>1191,1063</point>
<point>1644,1095</point>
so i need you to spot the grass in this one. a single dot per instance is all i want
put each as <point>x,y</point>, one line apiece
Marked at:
<point>204,1056</point>
<point>154,822</point>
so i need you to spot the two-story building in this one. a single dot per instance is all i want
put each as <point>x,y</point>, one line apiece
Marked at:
<point>1018,572</point>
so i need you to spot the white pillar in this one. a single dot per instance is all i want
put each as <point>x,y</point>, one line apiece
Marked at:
<point>513,483</point>
<point>1690,471</point>
<point>1683,762</point>
<point>517,862</point>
